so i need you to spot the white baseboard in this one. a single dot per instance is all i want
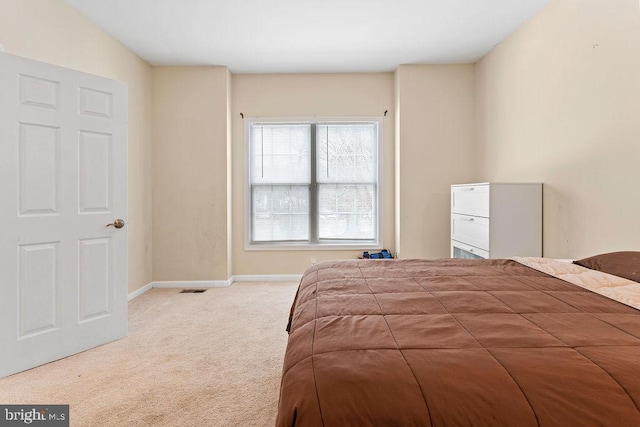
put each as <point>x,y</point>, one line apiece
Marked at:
<point>139,291</point>
<point>187,284</point>
<point>266,278</point>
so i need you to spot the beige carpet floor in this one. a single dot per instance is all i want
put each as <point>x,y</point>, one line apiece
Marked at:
<point>208,359</point>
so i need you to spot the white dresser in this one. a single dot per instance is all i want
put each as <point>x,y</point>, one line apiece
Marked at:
<point>496,220</point>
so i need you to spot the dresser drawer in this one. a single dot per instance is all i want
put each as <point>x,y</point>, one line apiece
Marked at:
<point>462,250</point>
<point>470,199</point>
<point>471,230</point>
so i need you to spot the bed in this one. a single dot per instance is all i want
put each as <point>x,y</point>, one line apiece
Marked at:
<point>523,341</point>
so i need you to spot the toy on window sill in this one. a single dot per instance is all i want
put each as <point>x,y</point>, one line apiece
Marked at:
<point>384,254</point>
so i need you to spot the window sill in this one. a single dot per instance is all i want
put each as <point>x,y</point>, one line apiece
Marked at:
<point>317,247</point>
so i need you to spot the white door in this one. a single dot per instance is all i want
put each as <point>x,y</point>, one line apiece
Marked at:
<point>63,272</point>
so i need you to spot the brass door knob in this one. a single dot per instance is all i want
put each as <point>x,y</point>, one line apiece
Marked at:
<point>118,223</point>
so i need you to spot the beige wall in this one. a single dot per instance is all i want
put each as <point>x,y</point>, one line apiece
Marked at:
<point>559,102</point>
<point>435,148</point>
<point>190,173</point>
<point>306,95</point>
<point>54,32</point>
<point>186,218</point>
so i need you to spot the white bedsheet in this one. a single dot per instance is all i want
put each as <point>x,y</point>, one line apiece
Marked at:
<point>614,287</point>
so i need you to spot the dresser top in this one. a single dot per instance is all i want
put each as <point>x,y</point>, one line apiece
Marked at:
<point>496,183</point>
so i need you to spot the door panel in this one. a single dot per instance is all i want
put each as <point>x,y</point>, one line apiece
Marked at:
<point>95,172</point>
<point>38,308</point>
<point>96,103</point>
<point>38,92</point>
<point>62,181</point>
<point>39,148</point>
<point>96,287</point>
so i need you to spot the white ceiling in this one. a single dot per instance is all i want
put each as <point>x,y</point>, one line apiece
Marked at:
<point>294,36</point>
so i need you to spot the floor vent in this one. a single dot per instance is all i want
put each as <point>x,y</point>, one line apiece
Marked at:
<point>192,291</point>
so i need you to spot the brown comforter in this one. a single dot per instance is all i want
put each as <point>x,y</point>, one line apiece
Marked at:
<point>456,342</point>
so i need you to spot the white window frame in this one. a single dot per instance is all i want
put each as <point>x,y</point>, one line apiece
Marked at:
<point>321,245</point>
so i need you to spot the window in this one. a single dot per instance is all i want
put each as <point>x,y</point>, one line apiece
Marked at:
<point>313,183</point>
